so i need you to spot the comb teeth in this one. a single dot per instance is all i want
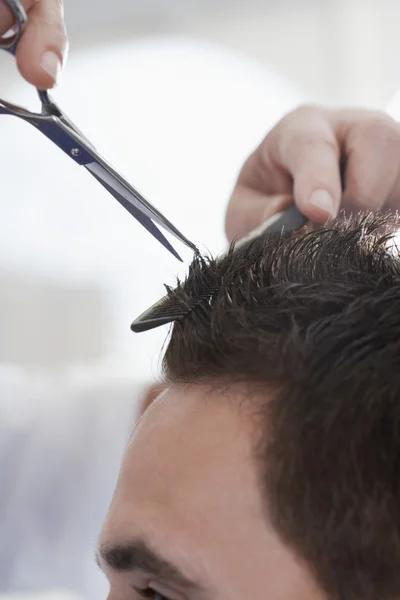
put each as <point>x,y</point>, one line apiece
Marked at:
<point>165,311</point>
<point>161,313</point>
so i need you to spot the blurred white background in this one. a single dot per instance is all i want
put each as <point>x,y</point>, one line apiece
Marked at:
<point>338,51</point>
<point>175,93</point>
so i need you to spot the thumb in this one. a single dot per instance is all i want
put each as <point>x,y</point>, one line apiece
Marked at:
<point>43,47</point>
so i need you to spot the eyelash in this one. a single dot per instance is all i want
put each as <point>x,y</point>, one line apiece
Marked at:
<point>150,593</point>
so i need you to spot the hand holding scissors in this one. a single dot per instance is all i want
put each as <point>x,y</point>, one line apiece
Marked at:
<point>56,126</point>
<point>43,47</point>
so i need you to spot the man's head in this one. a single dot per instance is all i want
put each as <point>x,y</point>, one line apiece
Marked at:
<point>270,465</point>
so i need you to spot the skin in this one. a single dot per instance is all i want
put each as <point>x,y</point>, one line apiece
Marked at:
<point>301,156</point>
<point>188,486</point>
<point>44,32</point>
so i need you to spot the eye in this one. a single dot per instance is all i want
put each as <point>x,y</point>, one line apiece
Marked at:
<point>151,594</point>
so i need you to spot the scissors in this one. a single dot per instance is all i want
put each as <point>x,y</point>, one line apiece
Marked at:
<point>56,126</point>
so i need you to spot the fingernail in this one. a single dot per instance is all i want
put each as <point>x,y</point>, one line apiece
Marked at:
<point>322,200</point>
<point>51,64</point>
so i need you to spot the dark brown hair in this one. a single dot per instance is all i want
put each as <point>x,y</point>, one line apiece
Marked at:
<point>318,315</point>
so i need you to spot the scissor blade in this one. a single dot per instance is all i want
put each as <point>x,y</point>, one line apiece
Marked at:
<point>107,175</point>
<point>62,133</point>
<point>137,214</point>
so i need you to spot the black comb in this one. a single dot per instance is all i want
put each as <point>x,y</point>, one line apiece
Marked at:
<point>167,311</point>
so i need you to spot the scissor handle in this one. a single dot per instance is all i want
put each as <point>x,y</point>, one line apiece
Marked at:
<point>10,43</point>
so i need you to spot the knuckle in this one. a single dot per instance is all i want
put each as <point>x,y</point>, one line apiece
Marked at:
<point>303,145</point>
<point>360,192</point>
<point>301,114</point>
<point>304,110</point>
<point>379,128</point>
<point>297,118</point>
<point>360,196</point>
<point>318,140</point>
<point>305,129</point>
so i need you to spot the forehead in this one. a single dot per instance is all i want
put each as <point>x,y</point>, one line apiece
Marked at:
<point>187,476</point>
<point>192,449</point>
<point>189,485</point>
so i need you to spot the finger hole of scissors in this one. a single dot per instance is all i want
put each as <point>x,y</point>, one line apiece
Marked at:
<point>9,40</point>
<point>15,18</point>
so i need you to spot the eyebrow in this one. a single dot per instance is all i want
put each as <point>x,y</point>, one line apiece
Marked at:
<point>138,555</point>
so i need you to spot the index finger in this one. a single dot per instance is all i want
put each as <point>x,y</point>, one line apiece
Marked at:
<point>306,146</point>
